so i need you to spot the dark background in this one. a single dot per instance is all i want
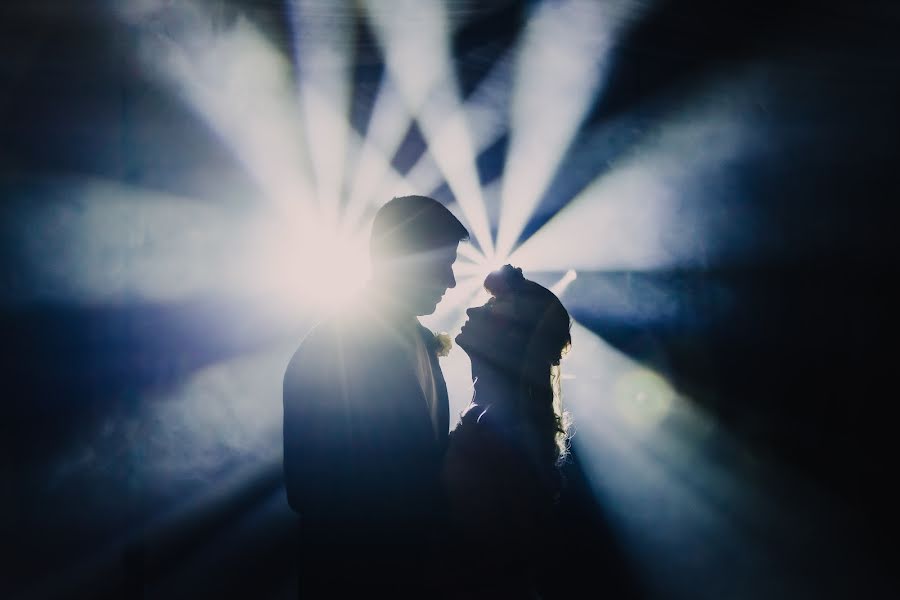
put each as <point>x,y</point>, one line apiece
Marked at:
<point>790,344</point>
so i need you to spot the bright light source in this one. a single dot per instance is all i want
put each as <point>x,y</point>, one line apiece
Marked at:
<point>306,266</point>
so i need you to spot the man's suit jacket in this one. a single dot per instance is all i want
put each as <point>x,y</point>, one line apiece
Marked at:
<point>361,458</point>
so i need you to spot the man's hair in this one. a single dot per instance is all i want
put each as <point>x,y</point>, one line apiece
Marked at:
<point>409,224</point>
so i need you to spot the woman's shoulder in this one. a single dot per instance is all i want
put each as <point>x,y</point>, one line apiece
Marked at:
<point>482,446</point>
<point>478,425</point>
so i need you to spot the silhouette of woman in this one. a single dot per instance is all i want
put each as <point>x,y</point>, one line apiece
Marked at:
<point>501,471</point>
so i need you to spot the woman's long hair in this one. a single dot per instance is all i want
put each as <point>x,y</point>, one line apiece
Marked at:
<point>549,339</point>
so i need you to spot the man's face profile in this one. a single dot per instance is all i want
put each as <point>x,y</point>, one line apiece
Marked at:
<point>420,280</point>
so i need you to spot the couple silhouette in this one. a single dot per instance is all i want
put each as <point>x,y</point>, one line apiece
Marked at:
<point>390,503</point>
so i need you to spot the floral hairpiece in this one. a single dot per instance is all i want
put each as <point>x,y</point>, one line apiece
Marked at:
<point>504,280</point>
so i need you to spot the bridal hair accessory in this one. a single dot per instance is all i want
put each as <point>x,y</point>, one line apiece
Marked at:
<point>504,280</point>
<point>509,281</point>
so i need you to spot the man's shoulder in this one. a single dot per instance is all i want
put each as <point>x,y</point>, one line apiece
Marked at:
<point>348,335</point>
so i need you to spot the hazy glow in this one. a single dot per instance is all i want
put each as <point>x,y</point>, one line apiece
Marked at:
<point>104,241</point>
<point>388,124</point>
<point>446,131</point>
<point>455,301</point>
<point>620,222</point>
<point>560,286</point>
<point>485,111</point>
<point>415,38</point>
<point>241,86</point>
<point>323,47</point>
<point>210,413</point>
<point>658,208</point>
<point>668,478</point>
<point>305,265</point>
<point>642,397</point>
<point>560,66</point>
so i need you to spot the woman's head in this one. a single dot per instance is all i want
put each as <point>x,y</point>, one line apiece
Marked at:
<point>523,329</point>
<point>515,342</point>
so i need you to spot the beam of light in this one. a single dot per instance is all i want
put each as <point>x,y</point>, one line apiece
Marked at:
<point>388,123</point>
<point>646,448</point>
<point>415,38</point>
<point>685,498</point>
<point>163,544</point>
<point>302,256</point>
<point>206,455</point>
<point>104,241</point>
<point>560,286</point>
<point>112,242</point>
<point>322,46</point>
<point>485,110</point>
<point>621,222</point>
<point>293,266</point>
<point>242,87</point>
<point>560,66</point>
<point>227,412</point>
<point>670,202</point>
<point>469,252</point>
<point>453,305</point>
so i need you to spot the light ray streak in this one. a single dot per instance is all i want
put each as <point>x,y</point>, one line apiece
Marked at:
<point>415,38</point>
<point>485,110</point>
<point>241,86</point>
<point>645,447</point>
<point>113,242</point>
<point>445,129</point>
<point>388,123</point>
<point>470,252</point>
<point>560,286</point>
<point>669,202</point>
<point>322,43</point>
<point>560,67</point>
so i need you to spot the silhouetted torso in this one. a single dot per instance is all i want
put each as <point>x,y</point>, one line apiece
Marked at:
<point>362,457</point>
<point>501,510</point>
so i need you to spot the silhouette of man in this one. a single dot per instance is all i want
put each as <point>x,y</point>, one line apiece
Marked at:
<point>366,418</point>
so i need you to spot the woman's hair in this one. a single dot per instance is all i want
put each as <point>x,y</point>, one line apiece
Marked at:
<point>547,325</point>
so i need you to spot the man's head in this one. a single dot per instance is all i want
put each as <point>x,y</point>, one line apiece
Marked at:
<point>413,248</point>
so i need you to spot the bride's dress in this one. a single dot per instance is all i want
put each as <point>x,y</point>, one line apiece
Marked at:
<point>501,508</point>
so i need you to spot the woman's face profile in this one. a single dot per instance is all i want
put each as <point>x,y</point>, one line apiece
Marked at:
<point>499,330</point>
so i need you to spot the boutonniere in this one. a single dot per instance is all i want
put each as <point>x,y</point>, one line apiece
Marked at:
<point>442,343</point>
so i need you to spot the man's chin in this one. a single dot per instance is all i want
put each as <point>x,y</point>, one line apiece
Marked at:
<point>427,307</point>
<point>424,310</point>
